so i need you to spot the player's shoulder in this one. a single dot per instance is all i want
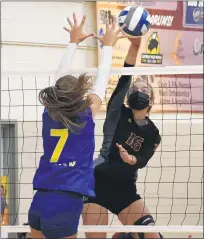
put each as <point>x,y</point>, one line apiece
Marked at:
<point>49,122</point>
<point>46,115</point>
<point>126,111</point>
<point>86,114</point>
<point>83,115</point>
<point>83,118</point>
<point>152,126</point>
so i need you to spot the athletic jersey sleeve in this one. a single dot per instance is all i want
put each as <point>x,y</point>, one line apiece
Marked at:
<point>103,72</point>
<point>117,98</point>
<point>114,111</point>
<point>66,61</point>
<point>147,154</point>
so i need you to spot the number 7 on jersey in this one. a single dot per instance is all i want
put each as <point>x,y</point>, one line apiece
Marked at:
<point>63,136</point>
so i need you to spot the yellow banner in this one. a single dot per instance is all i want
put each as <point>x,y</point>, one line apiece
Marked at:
<point>4,201</point>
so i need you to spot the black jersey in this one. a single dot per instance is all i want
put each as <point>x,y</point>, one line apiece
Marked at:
<point>120,127</point>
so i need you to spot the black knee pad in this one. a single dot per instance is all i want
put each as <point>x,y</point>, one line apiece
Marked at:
<point>125,236</point>
<point>145,221</point>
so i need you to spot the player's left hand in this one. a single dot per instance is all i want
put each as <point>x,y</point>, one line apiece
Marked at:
<point>77,34</point>
<point>125,156</point>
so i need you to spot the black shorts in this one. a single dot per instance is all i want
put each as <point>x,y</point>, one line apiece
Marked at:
<point>112,193</point>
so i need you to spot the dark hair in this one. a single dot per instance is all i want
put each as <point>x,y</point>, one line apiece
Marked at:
<point>67,99</point>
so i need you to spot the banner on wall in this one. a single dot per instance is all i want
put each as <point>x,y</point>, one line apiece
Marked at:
<point>178,94</point>
<point>4,201</point>
<point>176,46</point>
<point>193,16</point>
<point>173,48</point>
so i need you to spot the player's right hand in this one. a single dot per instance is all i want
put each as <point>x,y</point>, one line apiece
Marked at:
<point>76,31</point>
<point>111,35</point>
<point>136,42</point>
<point>125,156</point>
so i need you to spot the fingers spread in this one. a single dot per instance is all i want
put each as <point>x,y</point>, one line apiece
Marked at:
<point>66,29</point>
<point>90,35</point>
<point>75,19</point>
<point>107,26</point>
<point>70,23</point>
<point>121,28</point>
<point>122,36</point>
<point>98,37</point>
<point>114,24</point>
<point>83,21</point>
<point>85,36</point>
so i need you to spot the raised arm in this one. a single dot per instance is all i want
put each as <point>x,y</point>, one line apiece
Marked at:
<point>98,93</point>
<point>76,36</point>
<point>117,99</point>
<point>66,61</point>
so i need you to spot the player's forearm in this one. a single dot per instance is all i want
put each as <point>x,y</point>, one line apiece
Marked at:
<point>66,61</point>
<point>103,73</point>
<point>118,95</point>
<point>132,54</point>
<point>97,94</point>
<point>144,158</point>
<point>141,162</point>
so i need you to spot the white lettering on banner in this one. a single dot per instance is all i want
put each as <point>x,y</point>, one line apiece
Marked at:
<point>161,20</point>
<point>195,3</point>
<point>198,47</point>
<point>138,3</point>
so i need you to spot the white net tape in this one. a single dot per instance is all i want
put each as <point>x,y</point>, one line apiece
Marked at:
<point>113,229</point>
<point>165,70</point>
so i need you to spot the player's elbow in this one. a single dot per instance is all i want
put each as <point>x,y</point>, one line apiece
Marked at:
<point>142,165</point>
<point>142,162</point>
<point>95,103</point>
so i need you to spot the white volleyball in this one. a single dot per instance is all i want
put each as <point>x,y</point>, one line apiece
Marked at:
<point>137,20</point>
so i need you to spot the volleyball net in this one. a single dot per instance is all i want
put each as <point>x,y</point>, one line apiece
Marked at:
<point>172,182</point>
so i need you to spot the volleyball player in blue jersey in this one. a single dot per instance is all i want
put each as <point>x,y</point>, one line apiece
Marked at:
<point>65,172</point>
<point>130,140</point>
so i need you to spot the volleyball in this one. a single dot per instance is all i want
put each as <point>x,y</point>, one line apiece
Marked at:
<point>137,20</point>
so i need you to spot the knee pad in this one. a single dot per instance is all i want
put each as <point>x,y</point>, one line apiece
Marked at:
<point>123,236</point>
<point>145,221</point>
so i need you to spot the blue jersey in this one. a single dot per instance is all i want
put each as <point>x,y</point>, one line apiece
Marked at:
<point>67,162</point>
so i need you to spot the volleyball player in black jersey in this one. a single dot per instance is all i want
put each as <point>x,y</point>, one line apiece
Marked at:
<point>130,140</point>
